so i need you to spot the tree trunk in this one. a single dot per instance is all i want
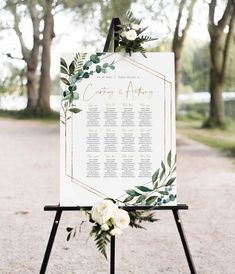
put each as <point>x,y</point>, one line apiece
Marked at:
<point>220,44</point>
<point>177,73</point>
<point>179,38</point>
<point>217,115</point>
<point>43,104</point>
<point>31,88</point>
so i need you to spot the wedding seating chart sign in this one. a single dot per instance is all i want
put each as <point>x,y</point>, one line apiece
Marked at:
<point>117,128</point>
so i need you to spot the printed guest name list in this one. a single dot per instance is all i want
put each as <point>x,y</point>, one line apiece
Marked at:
<point>118,131</point>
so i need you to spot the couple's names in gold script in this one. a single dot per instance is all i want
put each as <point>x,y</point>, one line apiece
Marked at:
<point>131,92</point>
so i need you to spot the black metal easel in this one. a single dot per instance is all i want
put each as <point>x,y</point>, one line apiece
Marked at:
<point>114,27</point>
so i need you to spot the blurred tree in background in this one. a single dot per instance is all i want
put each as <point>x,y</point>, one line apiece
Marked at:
<point>40,15</point>
<point>113,8</point>
<point>168,20</point>
<point>221,36</point>
<point>179,37</point>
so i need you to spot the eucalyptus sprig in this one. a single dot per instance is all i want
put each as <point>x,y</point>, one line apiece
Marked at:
<point>130,35</point>
<point>159,192</point>
<point>79,69</point>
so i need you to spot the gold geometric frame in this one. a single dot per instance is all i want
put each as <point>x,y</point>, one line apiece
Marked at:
<point>150,71</point>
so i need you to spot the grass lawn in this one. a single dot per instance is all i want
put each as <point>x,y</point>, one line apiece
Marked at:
<point>52,117</point>
<point>223,140</point>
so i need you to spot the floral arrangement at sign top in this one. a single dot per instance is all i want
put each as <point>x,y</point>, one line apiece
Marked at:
<point>131,36</point>
<point>107,217</point>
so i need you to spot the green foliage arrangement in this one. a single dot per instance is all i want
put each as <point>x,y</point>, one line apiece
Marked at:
<point>79,69</point>
<point>131,37</point>
<point>108,217</point>
<point>161,185</point>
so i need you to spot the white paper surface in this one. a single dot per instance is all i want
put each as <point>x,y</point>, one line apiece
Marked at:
<point>126,127</point>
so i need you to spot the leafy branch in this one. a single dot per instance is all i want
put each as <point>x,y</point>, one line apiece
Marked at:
<point>79,69</point>
<point>160,191</point>
<point>137,217</point>
<point>101,238</point>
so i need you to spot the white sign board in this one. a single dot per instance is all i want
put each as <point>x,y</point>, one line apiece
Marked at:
<point>124,128</point>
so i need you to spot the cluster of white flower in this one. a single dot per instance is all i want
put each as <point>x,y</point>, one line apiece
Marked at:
<point>110,217</point>
<point>131,34</point>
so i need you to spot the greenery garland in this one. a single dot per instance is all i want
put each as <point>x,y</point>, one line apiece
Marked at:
<point>80,68</point>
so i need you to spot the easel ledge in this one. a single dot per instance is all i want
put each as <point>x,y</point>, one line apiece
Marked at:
<point>127,208</point>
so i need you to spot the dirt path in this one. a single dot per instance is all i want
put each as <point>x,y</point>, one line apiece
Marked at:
<point>29,166</point>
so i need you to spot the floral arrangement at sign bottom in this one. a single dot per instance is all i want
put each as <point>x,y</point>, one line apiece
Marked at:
<point>108,218</point>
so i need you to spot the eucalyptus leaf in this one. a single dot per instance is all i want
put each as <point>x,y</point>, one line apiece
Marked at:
<point>98,69</point>
<point>144,188</point>
<point>65,81</point>
<point>132,192</point>
<point>72,87</point>
<point>105,65</point>
<point>128,199</point>
<point>63,62</point>
<point>162,174</point>
<point>75,96</point>
<point>151,200</point>
<point>71,67</point>
<point>171,181</point>
<point>86,75</point>
<point>155,175</point>
<point>163,166</point>
<point>75,110</point>
<point>65,93</point>
<point>94,58</point>
<point>141,199</point>
<point>163,192</point>
<point>169,159</point>
<point>63,70</point>
<point>87,65</point>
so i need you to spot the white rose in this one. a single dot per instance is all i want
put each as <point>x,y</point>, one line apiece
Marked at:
<point>116,232</point>
<point>123,34</point>
<point>135,26</point>
<point>121,218</point>
<point>131,35</point>
<point>104,227</point>
<point>103,211</point>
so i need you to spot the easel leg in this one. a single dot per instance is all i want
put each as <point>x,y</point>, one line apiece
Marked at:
<point>50,241</point>
<point>112,255</point>
<point>184,241</point>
